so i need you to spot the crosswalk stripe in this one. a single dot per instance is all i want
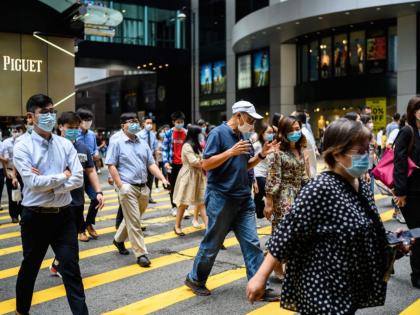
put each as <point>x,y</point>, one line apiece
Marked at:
<point>106,208</point>
<point>168,298</point>
<point>271,308</point>
<point>10,272</point>
<point>413,309</point>
<point>56,292</point>
<point>108,193</point>
<point>18,248</point>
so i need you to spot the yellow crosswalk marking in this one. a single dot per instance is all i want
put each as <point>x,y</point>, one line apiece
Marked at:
<point>165,299</point>
<point>10,272</point>
<point>413,309</point>
<point>271,308</point>
<point>18,248</point>
<point>56,292</point>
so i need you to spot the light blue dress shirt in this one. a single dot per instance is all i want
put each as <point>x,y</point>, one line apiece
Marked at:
<point>153,141</point>
<point>7,153</point>
<point>131,158</point>
<point>51,157</point>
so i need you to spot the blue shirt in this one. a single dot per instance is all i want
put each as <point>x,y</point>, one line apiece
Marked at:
<point>390,127</point>
<point>131,158</point>
<point>85,158</point>
<point>144,135</point>
<point>51,157</point>
<point>89,139</point>
<point>230,178</point>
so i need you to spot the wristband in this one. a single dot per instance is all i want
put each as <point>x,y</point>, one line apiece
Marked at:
<point>100,193</point>
<point>261,156</point>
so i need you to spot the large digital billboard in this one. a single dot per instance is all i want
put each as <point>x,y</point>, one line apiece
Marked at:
<point>244,72</point>
<point>206,78</point>
<point>261,68</point>
<point>219,77</point>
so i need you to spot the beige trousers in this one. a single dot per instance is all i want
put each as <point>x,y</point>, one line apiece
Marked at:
<point>134,201</point>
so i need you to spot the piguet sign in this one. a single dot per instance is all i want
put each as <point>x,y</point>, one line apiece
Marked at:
<point>21,65</point>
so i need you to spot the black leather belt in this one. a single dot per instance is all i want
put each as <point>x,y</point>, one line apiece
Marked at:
<point>139,185</point>
<point>48,210</point>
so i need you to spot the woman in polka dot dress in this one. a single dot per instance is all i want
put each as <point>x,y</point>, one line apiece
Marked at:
<point>286,174</point>
<point>332,239</point>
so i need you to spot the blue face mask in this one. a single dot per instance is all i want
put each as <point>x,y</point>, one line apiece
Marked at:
<point>247,135</point>
<point>359,165</point>
<point>179,126</point>
<point>133,128</point>
<point>162,135</point>
<point>203,130</point>
<point>294,136</point>
<point>47,121</point>
<point>269,137</point>
<point>71,134</point>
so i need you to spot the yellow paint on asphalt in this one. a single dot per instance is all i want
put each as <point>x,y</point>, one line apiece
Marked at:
<point>413,309</point>
<point>271,308</point>
<point>18,248</point>
<point>163,300</point>
<point>10,272</point>
<point>56,292</point>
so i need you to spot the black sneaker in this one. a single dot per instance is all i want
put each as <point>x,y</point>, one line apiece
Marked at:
<point>271,295</point>
<point>143,261</point>
<point>152,201</point>
<point>121,247</point>
<point>15,220</point>
<point>198,289</point>
<point>415,281</point>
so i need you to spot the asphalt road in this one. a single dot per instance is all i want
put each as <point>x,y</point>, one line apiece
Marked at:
<point>116,285</point>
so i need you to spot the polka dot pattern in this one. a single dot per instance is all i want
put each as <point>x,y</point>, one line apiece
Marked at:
<point>333,242</point>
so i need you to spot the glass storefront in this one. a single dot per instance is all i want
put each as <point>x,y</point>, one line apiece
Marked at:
<point>147,26</point>
<point>338,53</point>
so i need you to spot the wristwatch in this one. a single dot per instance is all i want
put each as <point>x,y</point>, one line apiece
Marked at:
<point>261,156</point>
<point>99,193</point>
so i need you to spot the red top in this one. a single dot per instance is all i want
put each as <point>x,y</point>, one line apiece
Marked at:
<point>178,138</point>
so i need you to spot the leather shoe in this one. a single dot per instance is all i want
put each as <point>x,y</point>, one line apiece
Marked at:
<point>15,220</point>
<point>415,281</point>
<point>121,247</point>
<point>143,261</point>
<point>152,201</point>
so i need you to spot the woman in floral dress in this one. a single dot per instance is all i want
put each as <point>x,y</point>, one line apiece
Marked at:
<point>287,173</point>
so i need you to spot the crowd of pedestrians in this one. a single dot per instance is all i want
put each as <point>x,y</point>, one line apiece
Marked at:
<point>328,246</point>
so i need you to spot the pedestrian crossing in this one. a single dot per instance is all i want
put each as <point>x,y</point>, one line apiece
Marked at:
<point>157,221</point>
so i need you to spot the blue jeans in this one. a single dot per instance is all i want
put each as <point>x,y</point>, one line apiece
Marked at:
<point>227,214</point>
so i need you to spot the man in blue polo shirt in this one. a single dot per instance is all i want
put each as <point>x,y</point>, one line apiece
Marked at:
<point>228,197</point>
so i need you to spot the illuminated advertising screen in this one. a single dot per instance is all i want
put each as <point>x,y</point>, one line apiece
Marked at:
<point>376,48</point>
<point>261,68</point>
<point>206,78</point>
<point>244,72</point>
<point>219,77</point>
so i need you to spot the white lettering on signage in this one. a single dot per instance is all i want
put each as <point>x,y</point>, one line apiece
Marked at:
<point>24,65</point>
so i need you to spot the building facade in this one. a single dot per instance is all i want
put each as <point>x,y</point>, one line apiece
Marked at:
<point>327,57</point>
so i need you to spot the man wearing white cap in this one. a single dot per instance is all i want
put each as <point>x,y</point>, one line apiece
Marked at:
<point>228,197</point>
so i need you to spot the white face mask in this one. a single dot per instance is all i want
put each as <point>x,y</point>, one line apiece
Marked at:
<point>86,124</point>
<point>148,127</point>
<point>370,126</point>
<point>245,127</point>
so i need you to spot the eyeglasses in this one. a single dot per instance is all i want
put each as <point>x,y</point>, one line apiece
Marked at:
<point>131,121</point>
<point>48,111</point>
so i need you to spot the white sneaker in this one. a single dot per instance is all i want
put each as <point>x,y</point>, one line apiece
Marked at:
<point>196,224</point>
<point>99,171</point>
<point>187,214</point>
<point>400,218</point>
<point>174,211</point>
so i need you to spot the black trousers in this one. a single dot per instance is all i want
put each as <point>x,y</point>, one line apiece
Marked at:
<point>163,172</point>
<point>92,211</point>
<point>38,231</point>
<point>150,179</point>
<point>172,176</point>
<point>258,198</point>
<point>411,213</point>
<point>1,183</point>
<point>119,218</point>
<point>15,208</point>
<point>80,218</point>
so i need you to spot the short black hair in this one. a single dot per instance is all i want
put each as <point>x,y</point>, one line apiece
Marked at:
<point>177,115</point>
<point>201,122</point>
<point>37,101</point>
<point>146,118</point>
<point>85,114</point>
<point>68,118</point>
<point>127,116</point>
<point>301,116</point>
<point>365,118</point>
<point>351,116</point>
<point>396,116</point>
